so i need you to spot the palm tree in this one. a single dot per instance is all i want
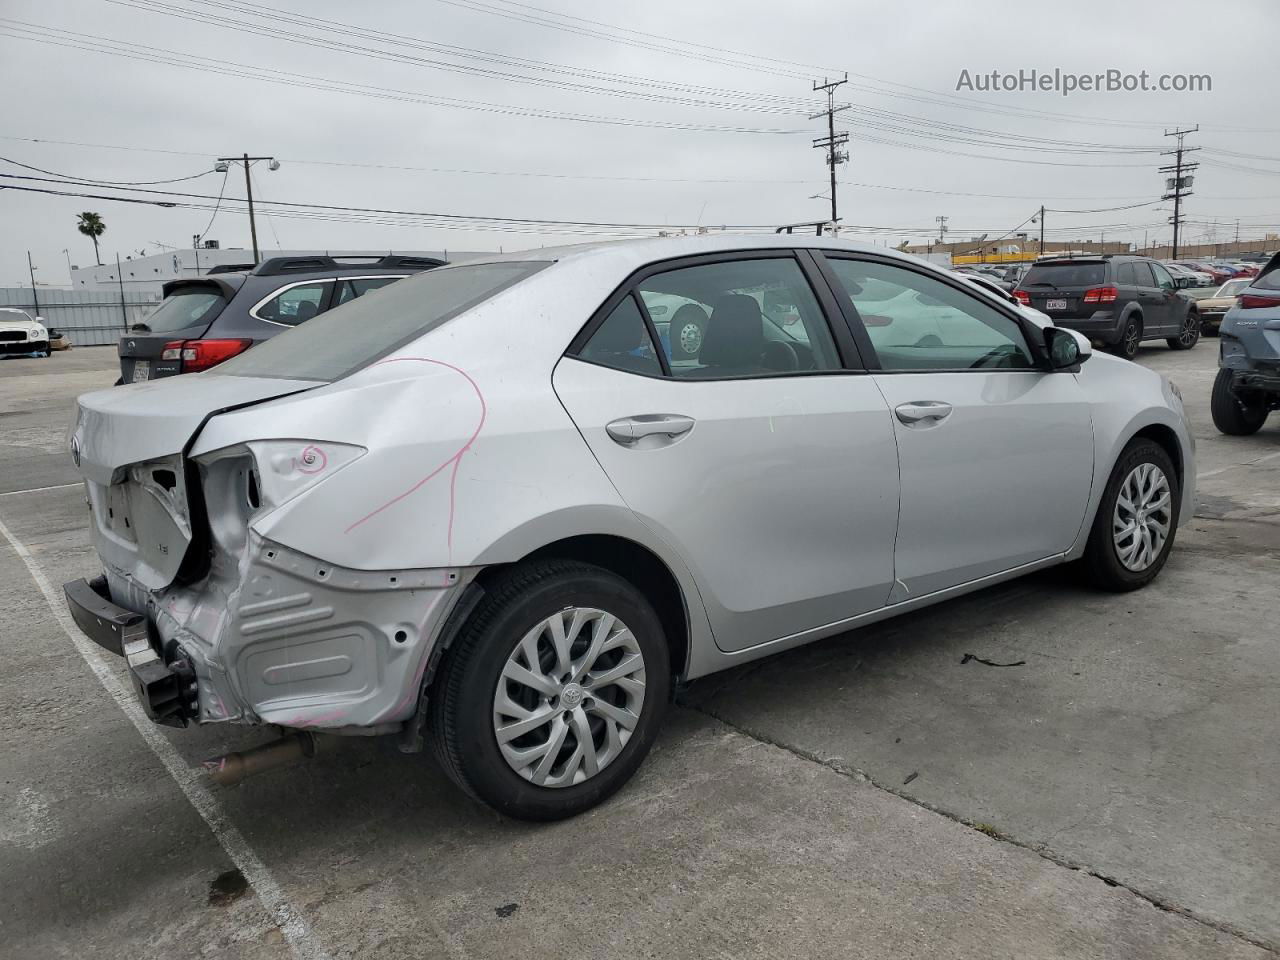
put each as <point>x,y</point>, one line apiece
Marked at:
<point>91,225</point>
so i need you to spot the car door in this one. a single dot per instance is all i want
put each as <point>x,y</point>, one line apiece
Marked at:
<point>1155,313</point>
<point>995,452</point>
<point>1167,296</point>
<point>767,461</point>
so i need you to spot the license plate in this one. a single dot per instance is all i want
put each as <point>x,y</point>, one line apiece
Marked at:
<point>141,371</point>
<point>1055,304</point>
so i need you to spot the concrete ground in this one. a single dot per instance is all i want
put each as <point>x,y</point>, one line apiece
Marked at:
<point>875,795</point>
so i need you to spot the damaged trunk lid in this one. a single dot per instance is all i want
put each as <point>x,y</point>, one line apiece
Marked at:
<point>129,444</point>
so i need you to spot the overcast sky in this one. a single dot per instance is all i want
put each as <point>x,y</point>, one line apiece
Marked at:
<point>904,60</point>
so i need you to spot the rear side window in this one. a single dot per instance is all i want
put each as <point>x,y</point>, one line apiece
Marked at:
<point>350,289</point>
<point>186,307</point>
<point>296,304</point>
<point>739,318</point>
<point>1142,274</point>
<point>623,343</point>
<point>347,338</point>
<point>1065,275</point>
<point>1125,276</point>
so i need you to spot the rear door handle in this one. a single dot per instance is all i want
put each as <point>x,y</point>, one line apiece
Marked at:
<point>629,430</point>
<point>923,411</point>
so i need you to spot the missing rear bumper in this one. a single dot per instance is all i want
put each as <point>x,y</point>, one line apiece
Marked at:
<point>166,691</point>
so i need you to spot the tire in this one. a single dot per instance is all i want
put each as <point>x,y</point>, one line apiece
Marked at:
<point>1230,415</point>
<point>464,701</point>
<point>1189,336</point>
<point>1130,338</point>
<point>685,336</point>
<point>1102,557</point>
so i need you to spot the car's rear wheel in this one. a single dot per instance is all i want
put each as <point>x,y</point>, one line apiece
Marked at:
<point>1234,414</point>
<point>554,692</point>
<point>1130,338</point>
<point>1134,527</point>
<point>1189,335</point>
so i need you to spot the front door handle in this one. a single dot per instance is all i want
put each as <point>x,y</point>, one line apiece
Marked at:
<point>629,430</point>
<point>921,411</point>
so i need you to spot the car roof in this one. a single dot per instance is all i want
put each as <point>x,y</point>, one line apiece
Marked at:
<point>637,253</point>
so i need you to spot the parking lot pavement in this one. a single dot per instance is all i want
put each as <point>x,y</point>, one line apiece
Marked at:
<point>824,802</point>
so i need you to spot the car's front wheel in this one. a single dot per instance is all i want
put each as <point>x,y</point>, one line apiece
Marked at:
<point>1233,414</point>
<point>1189,335</point>
<point>553,693</point>
<point>1134,527</point>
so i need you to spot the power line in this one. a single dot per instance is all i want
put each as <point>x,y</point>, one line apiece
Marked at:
<point>60,37</point>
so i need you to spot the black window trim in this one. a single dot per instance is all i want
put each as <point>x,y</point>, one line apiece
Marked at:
<point>1033,334</point>
<point>846,350</point>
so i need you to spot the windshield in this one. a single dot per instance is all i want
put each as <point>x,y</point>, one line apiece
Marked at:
<point>185,307</point>
<point>1232,288</point>
<point>1064,275</point>
<point>355,334</point>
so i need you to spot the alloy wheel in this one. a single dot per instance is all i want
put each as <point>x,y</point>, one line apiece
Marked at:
<point>569,697</point>
<point>1190,331</point>
<point>1131,340</point>
<point>1142,517</point>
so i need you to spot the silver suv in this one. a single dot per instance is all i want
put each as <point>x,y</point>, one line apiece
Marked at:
<point>1247,387</point>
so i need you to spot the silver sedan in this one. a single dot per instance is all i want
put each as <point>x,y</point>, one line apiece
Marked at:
<point>501,506</point>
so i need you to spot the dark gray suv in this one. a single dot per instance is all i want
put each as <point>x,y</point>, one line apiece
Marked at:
<point>1118,301</point>
<point>205,320</point>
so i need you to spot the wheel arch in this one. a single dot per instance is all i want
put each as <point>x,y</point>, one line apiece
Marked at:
<point>1164,437</point>
<point>640,567</point>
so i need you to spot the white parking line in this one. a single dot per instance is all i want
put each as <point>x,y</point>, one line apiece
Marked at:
<point>56,486</point>
<point>283,913</point>
<point>1232,466</point>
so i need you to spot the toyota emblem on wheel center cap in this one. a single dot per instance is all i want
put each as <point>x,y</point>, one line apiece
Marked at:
<point>571,695</point>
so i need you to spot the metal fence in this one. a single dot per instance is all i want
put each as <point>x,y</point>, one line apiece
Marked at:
<point>88,317</point>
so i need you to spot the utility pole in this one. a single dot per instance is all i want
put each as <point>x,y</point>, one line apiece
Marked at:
<point>124,311</point>
<point>833,141</point>
<point>35,297</point>
<point>1042,229</point>
<point>224,164</point>
<point>942,229</point>
<point>1179,185</point>
<point>195,246</point>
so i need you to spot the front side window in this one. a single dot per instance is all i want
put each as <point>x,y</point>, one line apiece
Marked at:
<point>916,322</point>
<point>623,343</point>
<point>296,304</point>
<point>350,289</point>
<point>739,318</point>
<point>1163,280</point>
<point>1142,274</point>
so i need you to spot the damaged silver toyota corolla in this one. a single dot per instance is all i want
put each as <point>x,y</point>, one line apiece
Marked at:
<point>503,505</point>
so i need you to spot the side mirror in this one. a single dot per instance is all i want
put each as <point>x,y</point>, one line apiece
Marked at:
<point>40,320</point>
<point>1066,348</point>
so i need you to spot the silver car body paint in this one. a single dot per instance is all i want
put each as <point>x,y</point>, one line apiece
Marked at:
<point>381,495</point>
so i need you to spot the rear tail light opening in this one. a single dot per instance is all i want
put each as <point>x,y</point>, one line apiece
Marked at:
<point>1252,301</point>
<point>197,355</point>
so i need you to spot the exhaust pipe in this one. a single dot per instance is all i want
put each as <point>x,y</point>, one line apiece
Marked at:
<point>234,767</point>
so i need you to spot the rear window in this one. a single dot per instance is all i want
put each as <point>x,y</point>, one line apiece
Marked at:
<point>185,307</point>
<point>353,335</point>
<point>1065,274</point>
<point>1268,281</point>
